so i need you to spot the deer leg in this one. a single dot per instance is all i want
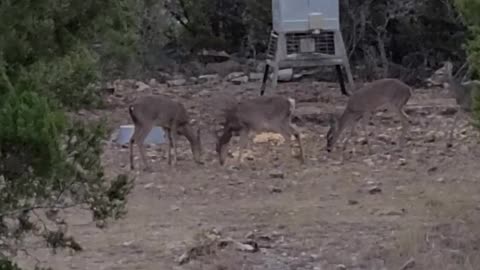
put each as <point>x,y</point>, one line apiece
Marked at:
<point>292,130</point>
<point>405,126</point>
<point>366,120</point>
<point>287,135</point>
<point>170,145</point>
<point>173,143</point>
<point>140,138</point>
<point>452,128</point>
<point>242,144</point>
<point>133,140</point>
<point>352,131</point>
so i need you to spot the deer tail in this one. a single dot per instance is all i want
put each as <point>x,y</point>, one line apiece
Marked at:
<point>292,105</point>
<point>131,111</point>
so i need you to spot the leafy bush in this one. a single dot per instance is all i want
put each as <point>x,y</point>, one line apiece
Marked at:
<point>470,10</point>
<point>48,161</point>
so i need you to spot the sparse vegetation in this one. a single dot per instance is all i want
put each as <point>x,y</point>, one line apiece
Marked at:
<point>49,162</point>
<point>418,210</point>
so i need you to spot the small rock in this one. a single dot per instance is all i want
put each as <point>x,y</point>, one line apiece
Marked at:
<point>352,202</point>
<point>430,137</point>
<point>204,93</point>
<point>374,190</point>
<point>277,174</point>
<point>340,267</point>
<point>275,190</point>
<point>234,75</point>
<point>178,82</point>
<point>193,80</point>
<point>153,82</point>
<point>362,140</point>
<point>128,243</point>
<point>163,77</point>
<point>441,180</point>
<point>391,212</point>
<point>184,258</point>
<point>240,80</point>
<point>246,247</point>
<point>148,186</point>
<point>141,86</point>
<point>402,161</point>
<point>384,138</point>
<point>369,162</point>
<point>371,183</point>
<point>208,78</point>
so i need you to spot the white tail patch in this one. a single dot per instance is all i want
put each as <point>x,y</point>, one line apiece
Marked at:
<point>292,104</point>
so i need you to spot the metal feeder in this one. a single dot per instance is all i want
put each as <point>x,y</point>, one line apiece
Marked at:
<point>306,33</point>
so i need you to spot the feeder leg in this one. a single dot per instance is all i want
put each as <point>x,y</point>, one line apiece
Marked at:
<point>348,71</point>
<point>341,81</point>
<point>264,80</point>
<point>275,76</point>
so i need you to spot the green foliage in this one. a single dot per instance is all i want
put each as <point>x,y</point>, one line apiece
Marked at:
<point>470,10</point>
<point>67,79</point>
<point>6,264</point>
<point>53,41</point>
<point>216,24</point>
<point>30,136</point>
<point>50,60</point>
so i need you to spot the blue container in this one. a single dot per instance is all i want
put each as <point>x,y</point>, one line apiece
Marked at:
<point>125,132</point>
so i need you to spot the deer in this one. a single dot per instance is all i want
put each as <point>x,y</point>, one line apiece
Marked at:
<point>388,93</point>
<point>259,114</point>
<point>461,91</point>
<point>172,117</point>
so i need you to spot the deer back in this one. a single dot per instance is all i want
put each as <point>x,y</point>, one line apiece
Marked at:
<point>161,110</point>
<point>378,93</point>
<point>262,113</point>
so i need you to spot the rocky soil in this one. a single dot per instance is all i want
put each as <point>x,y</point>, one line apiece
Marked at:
<point>413,209</point>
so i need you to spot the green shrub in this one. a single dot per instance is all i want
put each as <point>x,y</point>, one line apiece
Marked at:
<point>48,160</point>
<point>470,10</point>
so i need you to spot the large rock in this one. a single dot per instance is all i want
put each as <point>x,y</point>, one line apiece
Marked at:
<point>208,78</point>
<point>234,75</point>
<point>223,68</point>
<point>177,82</point>
<point>240,80</point>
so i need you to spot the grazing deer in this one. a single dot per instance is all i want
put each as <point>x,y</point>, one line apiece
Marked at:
<point>172,117</point>
<point>461,91</point>
<point>390,93</point>
<point>260,114</point>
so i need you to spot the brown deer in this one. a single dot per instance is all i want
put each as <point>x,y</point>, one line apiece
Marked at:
<point>390,93</point>
<point>260,114</point>
<point>461,91</point>
<point>172,117</point>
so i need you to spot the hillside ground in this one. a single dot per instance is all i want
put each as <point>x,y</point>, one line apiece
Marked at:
<point>413,209</point>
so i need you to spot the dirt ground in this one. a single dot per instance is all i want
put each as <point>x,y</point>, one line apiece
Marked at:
<point>416,209</point>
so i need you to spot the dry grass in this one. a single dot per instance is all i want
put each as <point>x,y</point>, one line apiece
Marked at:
<point>447,234</point>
